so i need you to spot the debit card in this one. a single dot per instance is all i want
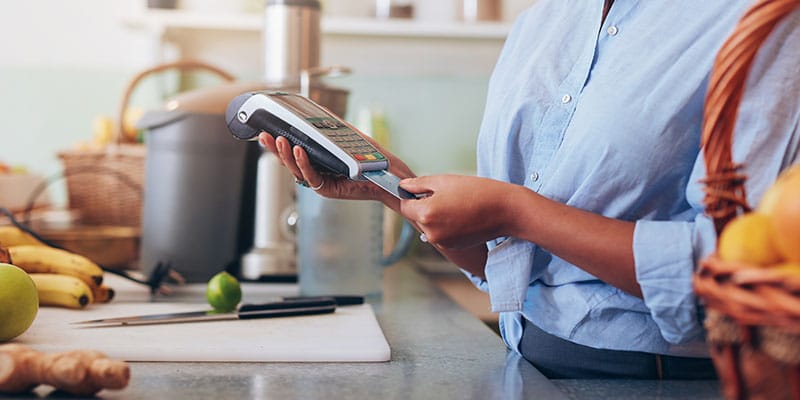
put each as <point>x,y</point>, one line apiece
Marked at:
<point>389,183</point>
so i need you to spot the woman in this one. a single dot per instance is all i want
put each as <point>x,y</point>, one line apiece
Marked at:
<point>586,222</point>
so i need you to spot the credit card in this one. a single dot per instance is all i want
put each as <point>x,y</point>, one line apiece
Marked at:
<point>390,183</point>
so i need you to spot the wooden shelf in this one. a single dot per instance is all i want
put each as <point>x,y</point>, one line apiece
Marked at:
<point>161,20</point>
<point>411,28</point>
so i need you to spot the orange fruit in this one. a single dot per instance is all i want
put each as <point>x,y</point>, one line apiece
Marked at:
<point>770,198</point>
<point>786,220</point>
<point>749,239</point>
<point>782,202</point>
<point>788,267</point>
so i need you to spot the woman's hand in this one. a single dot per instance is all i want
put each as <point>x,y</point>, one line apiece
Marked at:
<point>460,211</point>
<point>297,162</point>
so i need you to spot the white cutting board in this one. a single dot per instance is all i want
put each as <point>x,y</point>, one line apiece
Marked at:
<point>350,334</point>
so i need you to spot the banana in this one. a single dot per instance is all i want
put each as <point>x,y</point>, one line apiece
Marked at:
<point>102,294</point>
<point>12,236</point>
<point>62,290</point>
<point>42,259</point>
<point>5,256</point>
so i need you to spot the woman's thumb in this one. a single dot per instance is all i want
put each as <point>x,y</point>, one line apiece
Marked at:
<point>416,185</point>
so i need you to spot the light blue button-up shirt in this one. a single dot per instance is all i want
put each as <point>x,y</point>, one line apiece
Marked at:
<point>607,118</point>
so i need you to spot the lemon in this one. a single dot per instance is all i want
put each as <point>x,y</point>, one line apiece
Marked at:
<point>102,130</point>
<point>223,292</point>
<point>749,239</point>
<point>19,301</point>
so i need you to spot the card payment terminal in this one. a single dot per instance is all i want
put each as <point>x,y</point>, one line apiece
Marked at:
<point>332,145</point>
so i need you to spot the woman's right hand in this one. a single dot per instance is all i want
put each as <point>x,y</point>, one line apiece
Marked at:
<point>334,186</point>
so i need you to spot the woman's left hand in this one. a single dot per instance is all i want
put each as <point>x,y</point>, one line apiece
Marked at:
<point>460,211</point>
<point>296,160</point>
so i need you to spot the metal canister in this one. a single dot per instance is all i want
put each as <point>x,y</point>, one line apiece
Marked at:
<point>291,39</point>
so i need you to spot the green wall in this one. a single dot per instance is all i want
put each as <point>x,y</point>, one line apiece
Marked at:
<point>433,120</point>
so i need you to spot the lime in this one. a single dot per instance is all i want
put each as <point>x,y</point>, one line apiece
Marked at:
<point>19,301</point>
<point>223,292</point>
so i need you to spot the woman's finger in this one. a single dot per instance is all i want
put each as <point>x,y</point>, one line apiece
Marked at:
<point>287,157</point>
<point>268,142</point>
<point>309,174</point>
<point>415,210</point>
<point>420,184</point>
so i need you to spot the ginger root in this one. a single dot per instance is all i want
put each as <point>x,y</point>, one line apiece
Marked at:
<point>78,372</point>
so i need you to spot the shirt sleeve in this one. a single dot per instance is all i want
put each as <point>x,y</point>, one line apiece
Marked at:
<point>766,141</point>
<point>479,282</point>
<point>664,252</point>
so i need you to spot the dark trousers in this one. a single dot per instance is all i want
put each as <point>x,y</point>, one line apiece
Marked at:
<point>557,358</point>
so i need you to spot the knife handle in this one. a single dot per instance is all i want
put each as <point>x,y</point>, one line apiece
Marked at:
<point>350,300</point>
<point>288,308</point>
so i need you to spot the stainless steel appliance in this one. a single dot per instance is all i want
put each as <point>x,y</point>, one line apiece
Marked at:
<point>198,186</point>
<point>214,203</point>
<point>291,58</point>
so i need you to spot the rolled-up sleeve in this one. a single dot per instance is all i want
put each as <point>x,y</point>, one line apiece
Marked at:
<point>666,253</point>
<point>479,282</point>
<point>767,141</point>
<point>508,273</point>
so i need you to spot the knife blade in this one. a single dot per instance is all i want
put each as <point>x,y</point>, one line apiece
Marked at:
<point>285,308</point>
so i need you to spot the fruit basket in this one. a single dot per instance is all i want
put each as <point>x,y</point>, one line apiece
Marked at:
<point>752,309</point>
<point>105,184</point>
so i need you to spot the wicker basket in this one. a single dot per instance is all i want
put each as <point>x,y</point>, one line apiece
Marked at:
<point>752,314</point>
<point>105,185</point>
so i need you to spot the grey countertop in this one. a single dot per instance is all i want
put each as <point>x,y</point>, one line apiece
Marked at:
<point>439,351</point>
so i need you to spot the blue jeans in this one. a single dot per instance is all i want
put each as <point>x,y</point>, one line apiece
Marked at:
<point>557,358</point>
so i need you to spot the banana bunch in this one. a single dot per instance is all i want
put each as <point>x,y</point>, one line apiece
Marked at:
<point>13,236</point>
<point>63,278</point>
<point>62,290</point>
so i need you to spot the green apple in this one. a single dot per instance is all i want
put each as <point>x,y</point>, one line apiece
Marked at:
<point>223,292</point>
<point>19,301</point>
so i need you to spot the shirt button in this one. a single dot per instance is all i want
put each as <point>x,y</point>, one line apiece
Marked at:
<point>534,176</point>
<point>612,30</point>
<point>566,99</point>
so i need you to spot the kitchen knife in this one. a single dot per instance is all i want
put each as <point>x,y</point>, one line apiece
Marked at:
<point>349,300</point>
<point>285,308</point>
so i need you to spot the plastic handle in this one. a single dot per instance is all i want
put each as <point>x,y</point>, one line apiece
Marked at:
<point>321,157</point>
<point>181,65</point>
<point>288,308</point>
<point>340,300</point>
<point>261,120</point>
